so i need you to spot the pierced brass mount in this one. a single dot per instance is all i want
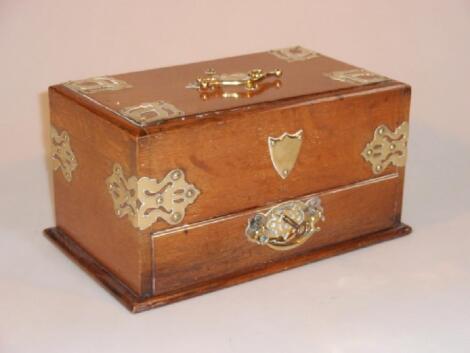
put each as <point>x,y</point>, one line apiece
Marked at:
<point>249,80</point>
<point>287,225</point>
<point>387,148</point>
<point>144,200</point>
<point>62,154</point>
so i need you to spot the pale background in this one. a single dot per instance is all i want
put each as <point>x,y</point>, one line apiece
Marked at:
<point>407,295</point>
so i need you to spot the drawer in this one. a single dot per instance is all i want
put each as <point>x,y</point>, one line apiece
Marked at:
<point>218,248</point>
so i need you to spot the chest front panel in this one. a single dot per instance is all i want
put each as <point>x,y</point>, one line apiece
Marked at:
<point>237,162</point>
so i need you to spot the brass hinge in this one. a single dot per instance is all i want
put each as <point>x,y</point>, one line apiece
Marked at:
<point>387,148</point>
<point>62,155</point>
<point>144,200</point>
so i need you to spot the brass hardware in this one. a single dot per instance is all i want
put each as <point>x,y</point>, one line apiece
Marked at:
<point>217,220</point>
<point>249,80</point>
<point>356,76</point>
<point>144,200</point>
<point>219,93</point>
<point>62,154</point>
<point>287,225</point>
<point>97,84</point>
<point>284,151</point>
<point>387,148</point>
<point>296,53</point>
<point>147,113</point>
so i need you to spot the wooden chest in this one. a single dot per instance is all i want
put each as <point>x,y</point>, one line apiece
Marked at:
<point>177,181</point>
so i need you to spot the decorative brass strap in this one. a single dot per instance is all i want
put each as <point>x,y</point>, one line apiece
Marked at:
<point>144,200</point>
<point>249,80</point>
<point>287,225</point>
<point>61,153</point>
<point>387,148</point>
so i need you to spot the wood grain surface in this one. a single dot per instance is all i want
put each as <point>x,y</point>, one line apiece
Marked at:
<point>137,304</point>
<point>299,79</point>
<point>220,247</point>
<point>228,159</point>
<point>84,208</point>
<point>221,145</point>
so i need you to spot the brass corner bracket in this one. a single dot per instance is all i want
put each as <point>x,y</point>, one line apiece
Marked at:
<point>144,200</point>
<point>295,53</point>
<point>387,148</point>
<point>61,153</point>
<point>97,84</point>
<point>150,112</point>
<point>356,76</point>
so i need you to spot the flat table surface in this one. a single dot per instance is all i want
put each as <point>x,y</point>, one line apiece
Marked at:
<point>411,294</point>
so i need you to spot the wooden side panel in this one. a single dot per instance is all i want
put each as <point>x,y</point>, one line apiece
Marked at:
<point>228,158</point>
<point>84,208</point>
<point>210,252</point>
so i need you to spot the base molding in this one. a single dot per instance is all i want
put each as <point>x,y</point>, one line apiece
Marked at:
<point>138,304</point>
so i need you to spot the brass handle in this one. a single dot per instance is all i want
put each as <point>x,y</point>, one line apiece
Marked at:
<point>249,80</point>
<point>287,225</point>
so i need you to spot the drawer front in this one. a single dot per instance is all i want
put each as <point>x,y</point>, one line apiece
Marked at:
<point>281,153</point>
<point>210,250</point>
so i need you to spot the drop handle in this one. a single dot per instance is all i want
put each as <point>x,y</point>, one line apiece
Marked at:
<point>249,80</point>
<point>286,225</point>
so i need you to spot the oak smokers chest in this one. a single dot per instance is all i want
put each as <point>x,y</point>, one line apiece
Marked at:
<point>173,182</point>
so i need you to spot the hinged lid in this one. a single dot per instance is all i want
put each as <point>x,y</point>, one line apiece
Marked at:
<point>196,90</point>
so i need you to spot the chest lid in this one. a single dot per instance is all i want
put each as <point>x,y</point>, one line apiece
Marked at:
<point>143,99</point>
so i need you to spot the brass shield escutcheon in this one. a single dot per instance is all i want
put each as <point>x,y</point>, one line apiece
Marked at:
<point>284,151</point>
